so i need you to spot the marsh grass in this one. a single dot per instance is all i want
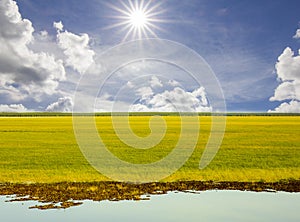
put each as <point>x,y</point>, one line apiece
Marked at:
<point>255,148</point>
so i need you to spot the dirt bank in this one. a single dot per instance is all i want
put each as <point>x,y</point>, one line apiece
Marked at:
<point>68,194</point>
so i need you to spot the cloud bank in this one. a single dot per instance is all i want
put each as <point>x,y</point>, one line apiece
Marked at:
<point>64,104</point>
<point>79,56</point>
<point>176,100</point>
<point>24,73</point>
<point>13,108</point>
<point>34,68</point>
<point>288,72</point>
<point>173,100</point>
<point>297,35</point>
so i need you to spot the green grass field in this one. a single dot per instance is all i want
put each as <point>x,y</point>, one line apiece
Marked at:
<point>255,148</point>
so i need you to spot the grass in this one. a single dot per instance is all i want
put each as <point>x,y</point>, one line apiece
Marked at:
<point>255,148</point>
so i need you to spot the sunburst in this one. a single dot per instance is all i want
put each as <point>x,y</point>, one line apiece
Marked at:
<point>138,19</point>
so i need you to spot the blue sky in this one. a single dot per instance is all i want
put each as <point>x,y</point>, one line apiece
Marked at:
<point>240,40</point>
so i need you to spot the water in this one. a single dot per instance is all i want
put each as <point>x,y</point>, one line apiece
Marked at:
<point>204,206</point>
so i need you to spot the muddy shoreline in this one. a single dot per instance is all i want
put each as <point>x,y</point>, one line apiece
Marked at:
<point>68,194</point>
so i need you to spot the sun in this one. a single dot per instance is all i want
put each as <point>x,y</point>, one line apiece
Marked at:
<point>138,19</point>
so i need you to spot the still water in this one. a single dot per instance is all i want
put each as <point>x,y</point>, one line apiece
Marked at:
<point>204,206</point>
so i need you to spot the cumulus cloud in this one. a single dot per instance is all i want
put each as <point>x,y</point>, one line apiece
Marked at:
<point>145,93</point>
<point>76,48</point>
<point>155,82</point>
<point>200,93</point>
<point>288,66</point>
<point>13,108</point>
<point>174,100</point>
<point>291,107</point>
<point>288,72</point>
<point>58,25</point>
<point>64,104</point>
<point>297,35</point>
<point>24,72</point>
<point>42,36</point>
<point>287,91</point>
<point>156,95</point>
<point>173,82</point>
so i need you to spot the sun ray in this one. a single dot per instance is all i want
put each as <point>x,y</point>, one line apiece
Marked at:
<point>128,8</point>
<point>126,11</point>
<point>116,25</point>
<point>138,18</point>
<point>151,31</point>
<point>154,7</point>
<point>147,5</point>
<point>130,30</point>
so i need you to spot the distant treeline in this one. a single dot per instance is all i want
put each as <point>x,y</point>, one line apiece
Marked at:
<point>36,114</point>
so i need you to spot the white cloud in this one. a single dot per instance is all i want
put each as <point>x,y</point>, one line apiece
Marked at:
<point>286,91</point>
<point>291,107</point>
<point>173,83</point>
<point>24,73</point>
<point>139,94</point>
<point>174,100</point>
<point>155,82</point>
<point>145,93</point>
<point>288,65</point>
<point>76,48</point>
<point>58,25</point>
<point>297,35</point>
<point>141,108</point>
<point>64,104</point>
<point>12,108</point>
<point>42,35</point>
<point>288,72</point>
<point>200,93</point>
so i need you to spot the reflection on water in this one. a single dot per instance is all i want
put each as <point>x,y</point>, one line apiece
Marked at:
<point>205,206</point>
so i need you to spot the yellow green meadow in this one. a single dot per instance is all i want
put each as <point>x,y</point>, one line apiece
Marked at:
<point>255,148</point>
